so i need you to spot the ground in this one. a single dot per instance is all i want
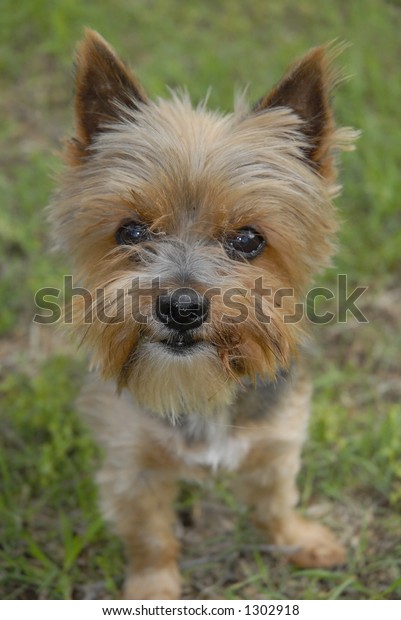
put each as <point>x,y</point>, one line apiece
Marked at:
<point>53,543</point>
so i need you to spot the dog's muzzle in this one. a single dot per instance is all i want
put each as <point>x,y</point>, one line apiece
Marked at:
<point>182,311</point>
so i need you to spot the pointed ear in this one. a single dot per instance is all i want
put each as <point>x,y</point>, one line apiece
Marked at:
<point>102,83</point>
<point>305,89</point>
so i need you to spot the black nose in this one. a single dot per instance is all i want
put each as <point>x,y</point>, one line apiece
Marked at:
<point>182,310</point>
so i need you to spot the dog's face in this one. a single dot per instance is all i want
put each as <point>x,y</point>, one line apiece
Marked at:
<point>199,231</point>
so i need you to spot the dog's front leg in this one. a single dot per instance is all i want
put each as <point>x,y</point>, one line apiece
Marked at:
<point>267,483</point>
<point>140,503</point>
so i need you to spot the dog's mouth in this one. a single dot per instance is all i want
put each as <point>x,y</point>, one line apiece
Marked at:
<point>181,343</point>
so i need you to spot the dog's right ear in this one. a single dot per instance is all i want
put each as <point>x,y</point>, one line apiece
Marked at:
<point>103,85</point>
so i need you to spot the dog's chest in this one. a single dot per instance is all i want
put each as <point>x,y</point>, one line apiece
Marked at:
<point>224,440</point>
<point>212,443</point>
<point>225,453</point>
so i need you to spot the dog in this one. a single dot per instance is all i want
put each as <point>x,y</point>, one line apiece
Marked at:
<point>195,236</point>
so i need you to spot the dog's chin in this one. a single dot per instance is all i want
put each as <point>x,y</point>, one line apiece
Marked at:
<point>175,377</point>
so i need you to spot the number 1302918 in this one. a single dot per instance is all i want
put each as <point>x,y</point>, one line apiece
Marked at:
<point>272,610</point>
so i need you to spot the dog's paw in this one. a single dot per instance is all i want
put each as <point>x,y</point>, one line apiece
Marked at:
<point>317,546</point>
<point>153,584</point>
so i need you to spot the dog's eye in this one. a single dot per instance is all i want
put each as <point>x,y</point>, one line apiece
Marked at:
<point>132,232</point>
<point>244,243</point>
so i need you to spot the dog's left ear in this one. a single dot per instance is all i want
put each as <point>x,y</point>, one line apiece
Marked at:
<point>305,89</point>
<point>103,86</point>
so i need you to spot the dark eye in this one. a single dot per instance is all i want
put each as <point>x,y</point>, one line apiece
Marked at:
<point>244,243</point>
<point>132,232</point>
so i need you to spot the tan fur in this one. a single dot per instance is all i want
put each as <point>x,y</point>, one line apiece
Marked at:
<point>194,177</point>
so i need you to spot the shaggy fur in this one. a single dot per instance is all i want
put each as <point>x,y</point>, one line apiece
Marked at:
<point>236,398</point>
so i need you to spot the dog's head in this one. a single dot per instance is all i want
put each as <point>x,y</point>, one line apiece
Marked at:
<point>195,233</point>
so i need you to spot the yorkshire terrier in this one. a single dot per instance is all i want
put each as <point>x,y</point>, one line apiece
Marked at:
<point>195,236</point>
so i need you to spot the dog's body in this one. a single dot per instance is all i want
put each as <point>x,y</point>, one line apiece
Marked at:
<point>202,232</point>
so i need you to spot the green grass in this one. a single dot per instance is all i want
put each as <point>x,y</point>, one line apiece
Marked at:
<point>53,541</point>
